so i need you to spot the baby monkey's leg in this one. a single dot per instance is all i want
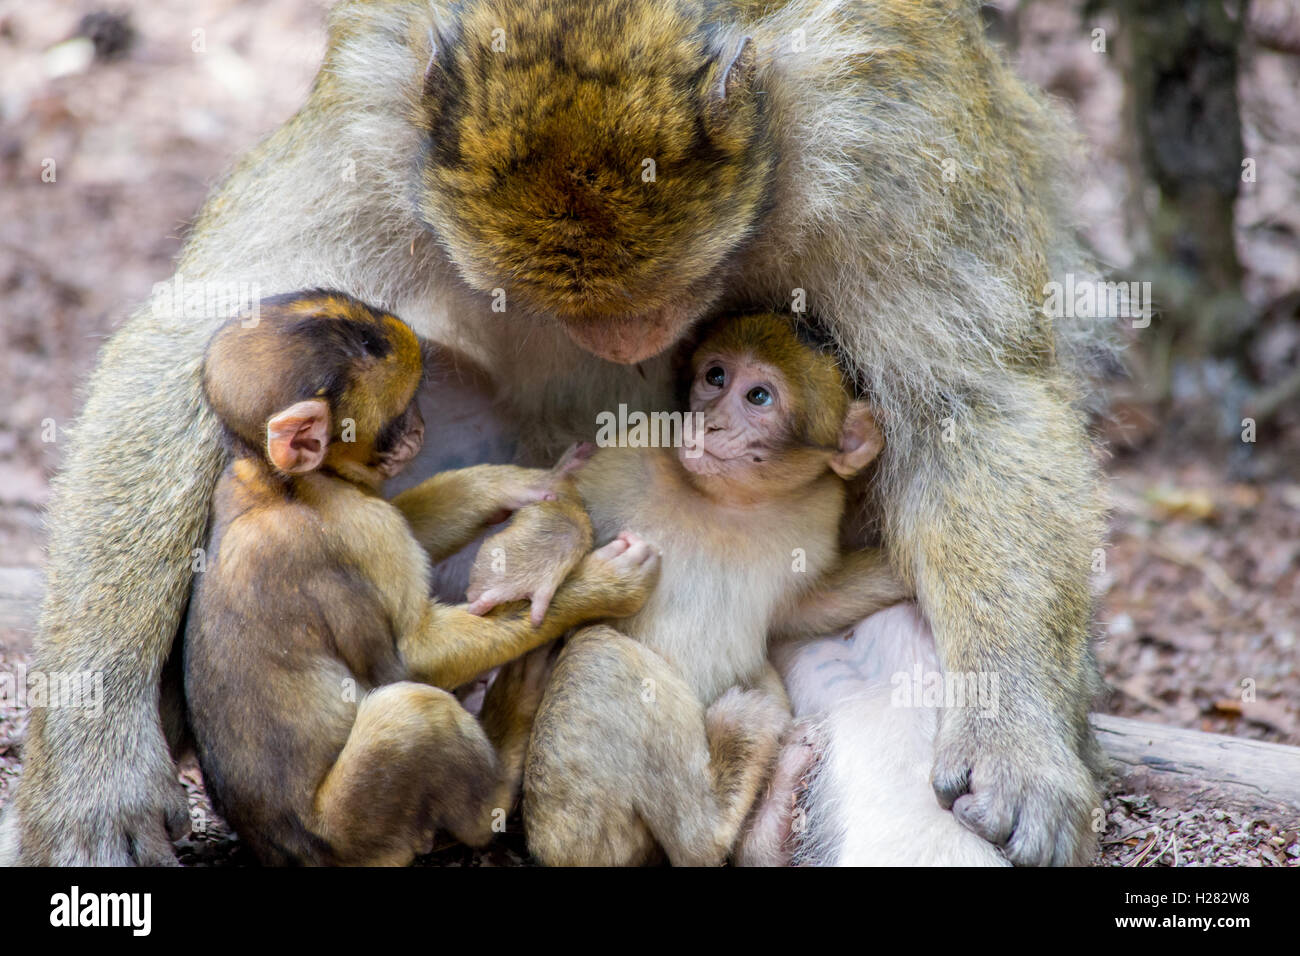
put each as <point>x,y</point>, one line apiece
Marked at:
<point>415,762</point>
<point>509,708</point>
<point>624,757</point>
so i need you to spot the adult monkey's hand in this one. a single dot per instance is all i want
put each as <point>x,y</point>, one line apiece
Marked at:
<point>562,188</point>
<point>131,817</point>
<point>1017,768</point>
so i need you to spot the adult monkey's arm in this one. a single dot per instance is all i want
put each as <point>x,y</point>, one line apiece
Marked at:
<point>997,526</point>
<point>131,505</point>
<point>128,510</point>
<point>987,487</point>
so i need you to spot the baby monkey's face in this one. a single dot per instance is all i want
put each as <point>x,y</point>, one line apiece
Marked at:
<point>744,412</point>
<point>381,399</point>
<point>772,414</point>
<point>319,380</point>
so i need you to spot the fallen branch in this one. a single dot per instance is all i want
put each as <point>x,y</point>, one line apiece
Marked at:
<point>1246,774</point>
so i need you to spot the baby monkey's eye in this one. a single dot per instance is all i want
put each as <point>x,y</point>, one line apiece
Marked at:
<point>716,376</point>
<point>758,395</point>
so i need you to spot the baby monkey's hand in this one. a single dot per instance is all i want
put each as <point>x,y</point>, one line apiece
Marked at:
<point>615,579</point>
<point>520,487</point>
<point>530,559</point>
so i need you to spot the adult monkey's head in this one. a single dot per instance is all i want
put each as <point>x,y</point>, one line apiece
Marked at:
<point>600,160</point>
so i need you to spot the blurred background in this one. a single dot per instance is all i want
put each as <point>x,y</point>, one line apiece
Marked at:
<point>115,118</point>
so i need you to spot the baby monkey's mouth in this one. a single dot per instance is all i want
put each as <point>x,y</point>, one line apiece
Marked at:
<point>698,459</point>
<point>395,460</point>
<point>394,453</point>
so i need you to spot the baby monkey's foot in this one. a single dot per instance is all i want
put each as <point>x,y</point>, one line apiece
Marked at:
<point>777,820</point>
<point>626,569</point>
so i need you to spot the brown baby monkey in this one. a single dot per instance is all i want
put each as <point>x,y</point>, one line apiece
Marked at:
<point>657,730</point>
<point>314,659</point>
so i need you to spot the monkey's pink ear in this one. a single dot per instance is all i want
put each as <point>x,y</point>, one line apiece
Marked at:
<point>297,437</point>
<point>860,441</point>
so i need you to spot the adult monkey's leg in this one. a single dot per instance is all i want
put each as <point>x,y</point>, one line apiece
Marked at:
<point>101,788</point>
<point>998,526</point>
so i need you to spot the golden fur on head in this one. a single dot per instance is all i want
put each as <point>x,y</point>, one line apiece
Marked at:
<point>818,395</point>
<point>535,174</point>
<point>311,345</point>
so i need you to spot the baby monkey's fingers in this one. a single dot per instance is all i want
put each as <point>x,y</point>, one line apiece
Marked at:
<point>541,600</point>
<point>632,567</point>
<point>631,548</point>
<point>485,601</point>
<point>626,542</point>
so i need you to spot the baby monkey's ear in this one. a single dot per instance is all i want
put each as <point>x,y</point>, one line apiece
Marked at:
<point>860,441</point>
<point>297,437</point>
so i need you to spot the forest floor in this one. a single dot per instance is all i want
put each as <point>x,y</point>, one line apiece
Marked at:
<point>1199,595</point>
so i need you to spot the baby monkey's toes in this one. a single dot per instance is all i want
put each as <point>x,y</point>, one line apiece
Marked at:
<point>772,833</point>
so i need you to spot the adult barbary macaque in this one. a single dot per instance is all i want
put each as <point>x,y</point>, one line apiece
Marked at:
<point>556,187</point>
<point>657,731</point>
<point>313,657</point>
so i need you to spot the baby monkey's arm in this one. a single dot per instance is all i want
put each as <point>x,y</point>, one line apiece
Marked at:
<point>864,583</point>
<point>451,645</point>
<point>449,510</point>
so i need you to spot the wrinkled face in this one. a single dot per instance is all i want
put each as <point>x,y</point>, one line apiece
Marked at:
<point>753,444</point>
<point>601,168</point>
<point>776,413</point>
<point>745,412</point>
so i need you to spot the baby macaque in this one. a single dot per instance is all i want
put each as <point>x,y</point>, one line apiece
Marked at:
<point>659,728</point>
<point>316,666</point>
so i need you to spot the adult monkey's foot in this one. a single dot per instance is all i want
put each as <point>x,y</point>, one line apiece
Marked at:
<point>68,815</point>
<point>1029,793</point>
